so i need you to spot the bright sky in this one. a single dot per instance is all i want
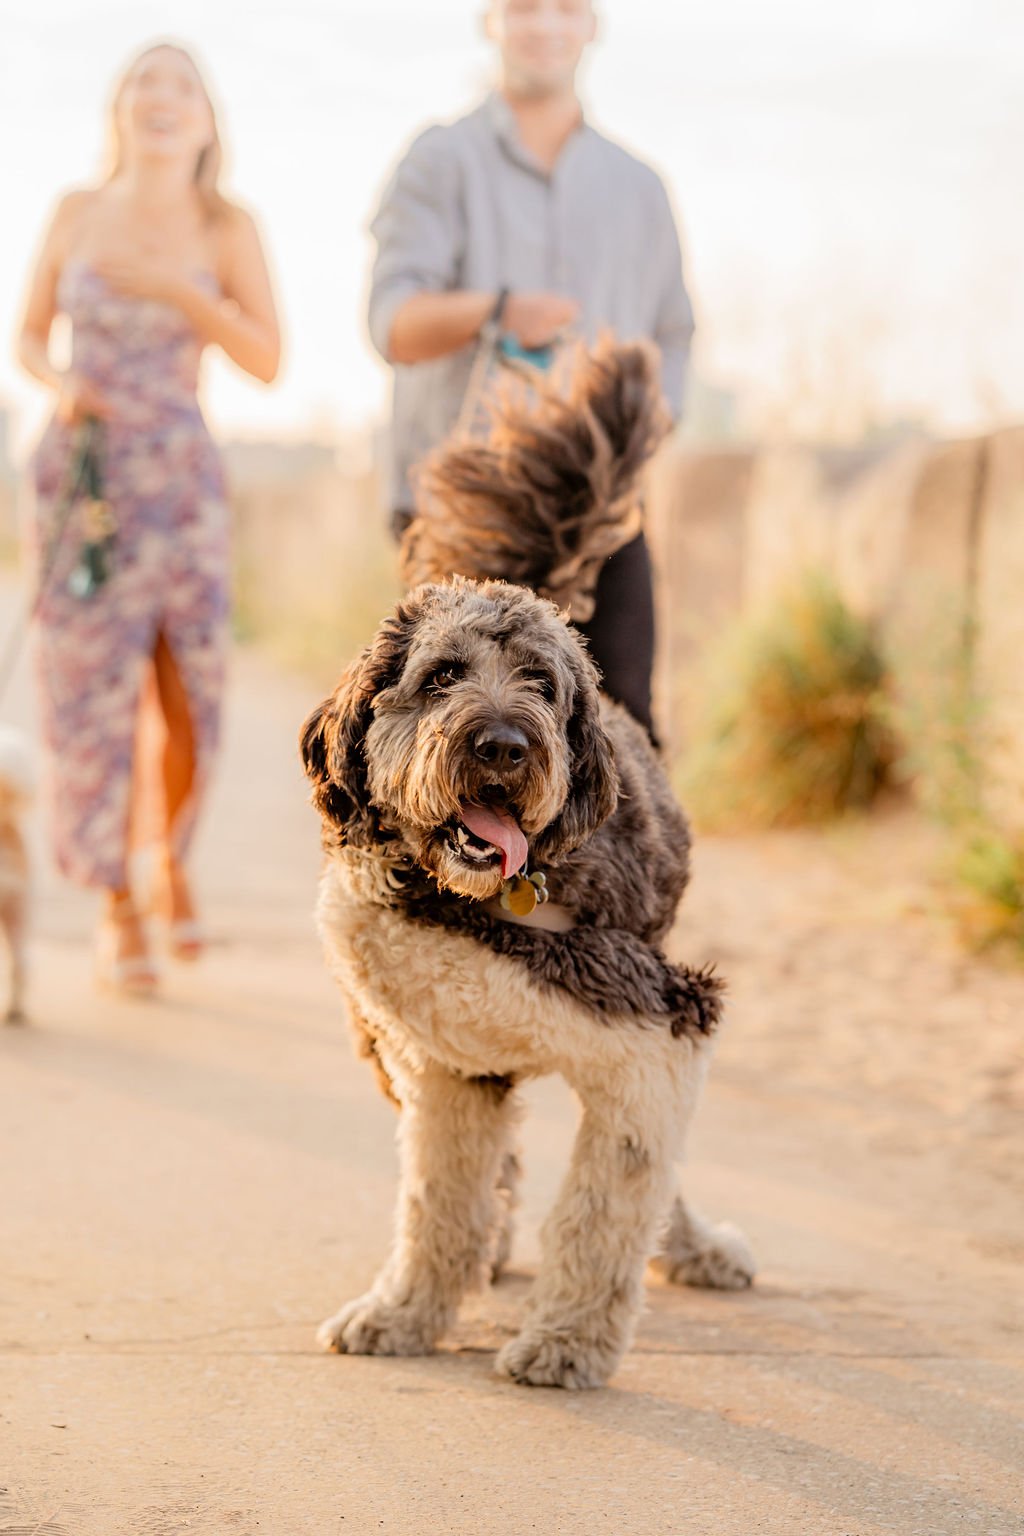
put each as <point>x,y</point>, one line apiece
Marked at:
<point>848,178</point>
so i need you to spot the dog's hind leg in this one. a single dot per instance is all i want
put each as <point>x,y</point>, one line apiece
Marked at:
<point>454,1133</point>
<point>506,1201</point>
<point>596,1240</point>
<point>695,1251</point>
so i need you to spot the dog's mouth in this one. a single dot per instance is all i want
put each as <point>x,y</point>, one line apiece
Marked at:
<point>484,836</point>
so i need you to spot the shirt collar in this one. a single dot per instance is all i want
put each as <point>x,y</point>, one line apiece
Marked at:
<point>506,131</point>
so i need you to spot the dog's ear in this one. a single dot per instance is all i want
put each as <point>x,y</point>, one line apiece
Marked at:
<point>317,745</point>
<point>332,739</point>
<point>594,780</point>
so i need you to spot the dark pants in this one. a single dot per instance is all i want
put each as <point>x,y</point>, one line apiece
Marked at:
<point>621,632</point>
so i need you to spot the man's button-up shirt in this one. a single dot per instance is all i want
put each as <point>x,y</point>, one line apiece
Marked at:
<point>469,207</point>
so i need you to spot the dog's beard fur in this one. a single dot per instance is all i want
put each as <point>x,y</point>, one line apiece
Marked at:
<point>422,766</point>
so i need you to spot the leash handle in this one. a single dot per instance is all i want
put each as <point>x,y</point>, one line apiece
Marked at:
<point>497,350</point>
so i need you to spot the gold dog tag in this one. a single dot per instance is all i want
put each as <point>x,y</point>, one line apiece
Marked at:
<point>522,897</point>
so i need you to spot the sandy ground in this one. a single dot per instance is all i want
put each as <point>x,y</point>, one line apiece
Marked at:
<point>188,1186</point>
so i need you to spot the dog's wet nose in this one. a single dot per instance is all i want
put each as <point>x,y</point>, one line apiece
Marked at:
<point>501,746</point>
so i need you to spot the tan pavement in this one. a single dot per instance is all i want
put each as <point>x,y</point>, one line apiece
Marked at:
<point>188,1186</point>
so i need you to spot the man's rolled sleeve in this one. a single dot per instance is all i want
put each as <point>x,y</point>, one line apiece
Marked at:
<point>418,234</point>
<point>673,331</point>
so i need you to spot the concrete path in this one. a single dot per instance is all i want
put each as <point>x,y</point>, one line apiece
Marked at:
<point>188,1186</point>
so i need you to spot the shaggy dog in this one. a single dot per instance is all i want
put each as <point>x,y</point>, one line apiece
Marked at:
<point>466,769</point>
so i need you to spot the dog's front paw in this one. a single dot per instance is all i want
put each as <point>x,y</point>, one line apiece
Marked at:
<point>371,1326</point>
<point>546,1357</point>
<point>715,1256</point>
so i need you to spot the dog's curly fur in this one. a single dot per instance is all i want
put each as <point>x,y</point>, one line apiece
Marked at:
<point>555,489</point>
<point>457,1003</point>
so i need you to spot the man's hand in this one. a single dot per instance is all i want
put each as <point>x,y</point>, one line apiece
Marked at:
<point>535,319</point>
<point>430,325</point>
<point>143,279</point>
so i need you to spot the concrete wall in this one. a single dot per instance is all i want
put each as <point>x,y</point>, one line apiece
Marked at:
<point>923,536</point>
<point>999,608</point>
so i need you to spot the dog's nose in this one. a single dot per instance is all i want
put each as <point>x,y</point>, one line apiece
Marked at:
<point>501,746</point>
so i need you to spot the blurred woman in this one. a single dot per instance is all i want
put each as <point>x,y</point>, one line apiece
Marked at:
<point>151,267</point>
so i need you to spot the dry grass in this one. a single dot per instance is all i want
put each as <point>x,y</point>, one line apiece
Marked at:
<point>947,742</point>
<point>794,730</point>
<point>987,899</point>
<point>939,720</point>
<point>315,570</point>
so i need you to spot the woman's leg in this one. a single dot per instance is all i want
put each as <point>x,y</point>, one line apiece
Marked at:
<point>124,960</point>
<point>177,774</point>
<point>91,662</point>
<point>178,763</point>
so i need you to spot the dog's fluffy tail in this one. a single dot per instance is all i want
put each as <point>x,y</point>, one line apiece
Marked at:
<point>554,488</point>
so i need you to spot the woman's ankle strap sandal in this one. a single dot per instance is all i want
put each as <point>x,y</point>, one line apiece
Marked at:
<point>130,974</point>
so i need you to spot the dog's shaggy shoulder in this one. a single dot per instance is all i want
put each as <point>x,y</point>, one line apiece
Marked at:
<point>616,856</point>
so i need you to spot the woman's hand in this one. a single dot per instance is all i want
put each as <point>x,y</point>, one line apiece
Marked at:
<point>143,278</point>
<point>78,399</point>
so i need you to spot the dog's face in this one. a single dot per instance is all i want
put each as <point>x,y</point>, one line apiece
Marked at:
<point>470,727</point>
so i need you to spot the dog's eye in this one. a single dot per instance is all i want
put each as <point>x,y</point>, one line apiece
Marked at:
<point>543,683</point>
<point>447,676</point>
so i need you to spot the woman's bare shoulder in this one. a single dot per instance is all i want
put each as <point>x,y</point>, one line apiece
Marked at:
<point>237,239</point>
<point>70,212</point>
<point>234,222</point>
<point>74,202</point>
<point>71,209</point>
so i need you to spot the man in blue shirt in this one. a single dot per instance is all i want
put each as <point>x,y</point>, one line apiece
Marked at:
<point>522,204</point>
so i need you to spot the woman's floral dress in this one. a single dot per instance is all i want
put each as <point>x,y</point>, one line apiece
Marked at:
<point>164,482</point>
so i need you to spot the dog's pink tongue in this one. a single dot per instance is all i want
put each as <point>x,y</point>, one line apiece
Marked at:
<point>499,828</point>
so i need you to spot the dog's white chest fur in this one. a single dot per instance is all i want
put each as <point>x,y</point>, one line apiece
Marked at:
<point>433,994</point>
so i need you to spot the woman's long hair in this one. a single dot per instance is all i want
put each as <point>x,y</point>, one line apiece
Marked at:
<point>206,176</point>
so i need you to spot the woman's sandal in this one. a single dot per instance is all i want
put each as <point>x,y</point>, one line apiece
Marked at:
<point>134,975</point>
<point>186,936</point>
